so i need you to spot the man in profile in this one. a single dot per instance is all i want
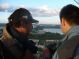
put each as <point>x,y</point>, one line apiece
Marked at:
<point>15,43</point>
<point>69,17</point>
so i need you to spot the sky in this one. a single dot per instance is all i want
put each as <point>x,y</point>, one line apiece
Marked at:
<point>45,11</point>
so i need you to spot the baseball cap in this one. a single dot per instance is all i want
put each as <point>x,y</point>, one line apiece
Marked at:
<point>22,14</point>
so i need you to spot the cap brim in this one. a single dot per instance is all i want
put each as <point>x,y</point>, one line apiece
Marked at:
<point>34,21</point>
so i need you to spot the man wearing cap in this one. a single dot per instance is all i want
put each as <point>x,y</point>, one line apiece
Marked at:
<point>14,41</point>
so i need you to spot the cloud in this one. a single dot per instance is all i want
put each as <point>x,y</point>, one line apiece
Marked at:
<point>4,6</point>
<point>43,11</point>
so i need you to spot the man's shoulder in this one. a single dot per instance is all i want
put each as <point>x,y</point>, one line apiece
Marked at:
<point>67,47</point>
<point>74,39</point>
<point>69,41</point>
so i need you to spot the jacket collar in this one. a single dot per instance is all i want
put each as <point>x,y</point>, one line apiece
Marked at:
<point>6,35</point>
<point>72,32</point>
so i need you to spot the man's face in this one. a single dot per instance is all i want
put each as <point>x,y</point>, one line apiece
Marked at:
<point>63,25</point>
<point>25,27</point>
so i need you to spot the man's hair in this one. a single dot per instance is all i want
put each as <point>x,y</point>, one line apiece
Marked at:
<point>70,13</point>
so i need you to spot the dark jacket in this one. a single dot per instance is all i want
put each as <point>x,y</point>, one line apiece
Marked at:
<point>68,44</point>
<point>16,47</point>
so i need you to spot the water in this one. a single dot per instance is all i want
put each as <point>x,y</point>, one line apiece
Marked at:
<point>53,30</point>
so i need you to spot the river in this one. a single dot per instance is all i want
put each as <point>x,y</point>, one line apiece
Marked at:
<point>53,30</point>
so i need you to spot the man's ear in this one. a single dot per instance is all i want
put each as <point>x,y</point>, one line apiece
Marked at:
<point>63,22</point>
